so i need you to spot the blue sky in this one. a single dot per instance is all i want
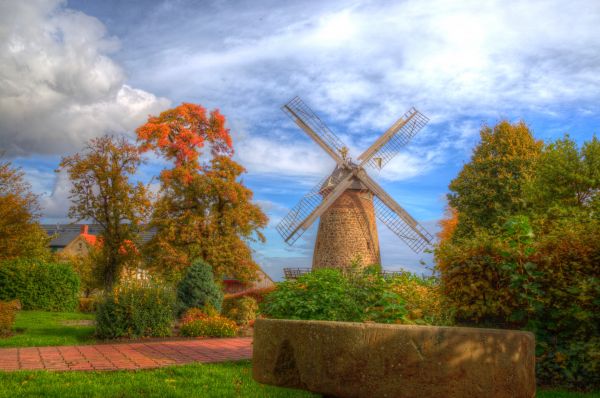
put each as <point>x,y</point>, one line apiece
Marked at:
<point>73,70</point>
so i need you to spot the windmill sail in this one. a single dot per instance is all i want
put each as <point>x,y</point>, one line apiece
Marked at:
<point>396,218</point>
<point>291,226</point>
<point>352,176</point>
<point>308,121</point>
<point>414,235</point>
<point>397,136</point>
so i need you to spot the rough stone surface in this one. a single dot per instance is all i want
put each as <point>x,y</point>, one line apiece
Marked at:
<point>343,359</point>
<point>347,230</point>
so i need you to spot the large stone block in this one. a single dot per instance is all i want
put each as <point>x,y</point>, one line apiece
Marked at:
<point>345,359</point>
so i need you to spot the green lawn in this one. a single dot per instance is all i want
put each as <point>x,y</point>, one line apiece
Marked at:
<point>198,380</point>
<point>40,328</point>
<point>565,394</point>
<point>209,380</point>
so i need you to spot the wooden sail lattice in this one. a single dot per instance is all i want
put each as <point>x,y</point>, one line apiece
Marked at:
<point>348,174</point>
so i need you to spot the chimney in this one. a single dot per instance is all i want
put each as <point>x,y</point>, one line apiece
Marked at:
<point>84,229</point>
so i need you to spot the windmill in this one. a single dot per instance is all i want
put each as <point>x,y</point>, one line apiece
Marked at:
<point>348,201</point>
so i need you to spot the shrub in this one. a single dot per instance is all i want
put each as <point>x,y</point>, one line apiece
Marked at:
<point>547,283</point>
<point>87,304</point>
<point>207,323</point>
<point>8,311</point>
<point>38,285</point>
<point>423,299</point>
<point>136,309</point>
<point>329,294</point>
<point>197,288</point>
<point>241,310</point>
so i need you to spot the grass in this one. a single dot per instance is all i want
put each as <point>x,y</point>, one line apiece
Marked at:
<point>233,379</point>
<point>198,380</point>
<point>40,328</point>
<point>567,394</point>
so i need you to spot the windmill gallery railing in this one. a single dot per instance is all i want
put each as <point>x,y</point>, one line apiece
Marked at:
<point>295,273</point>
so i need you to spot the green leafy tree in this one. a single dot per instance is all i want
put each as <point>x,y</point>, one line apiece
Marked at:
<point>490,187</point>
<point>102,192</point>
<point>567,178</point>
<point>536,266</point>
<point>21,235</point>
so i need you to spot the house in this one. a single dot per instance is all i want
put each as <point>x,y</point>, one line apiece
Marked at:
<point>263,281</point>
<point>80,245</point>
<point>76,239</point>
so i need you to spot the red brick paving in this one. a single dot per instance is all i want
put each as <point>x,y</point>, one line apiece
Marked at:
<point>125,356</point>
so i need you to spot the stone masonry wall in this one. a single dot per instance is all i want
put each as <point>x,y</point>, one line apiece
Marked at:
<point>347,230</point>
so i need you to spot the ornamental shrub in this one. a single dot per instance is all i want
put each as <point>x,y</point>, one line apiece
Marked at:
<point>546,282</point>
<point>198,288</point>
<point>329,294</point>
<point>8,310</point>
<point>423,299</point>
<point>39,285</point>
<point>206,323</point>
<point>241,310</point>
<point>136,309</point>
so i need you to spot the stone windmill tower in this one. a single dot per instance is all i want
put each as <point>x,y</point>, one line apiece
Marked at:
<point>348,201</point>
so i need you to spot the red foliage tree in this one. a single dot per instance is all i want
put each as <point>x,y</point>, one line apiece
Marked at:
<point>204,211</point>
<point>180,133</point>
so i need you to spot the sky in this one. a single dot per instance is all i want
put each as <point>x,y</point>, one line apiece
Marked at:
<point>74,70</point>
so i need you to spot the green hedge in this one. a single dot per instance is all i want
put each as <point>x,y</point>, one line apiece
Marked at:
<point>136,309</point>
<point>39,285</point>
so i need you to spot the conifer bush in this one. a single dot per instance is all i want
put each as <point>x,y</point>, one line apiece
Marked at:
<point>198,288</point>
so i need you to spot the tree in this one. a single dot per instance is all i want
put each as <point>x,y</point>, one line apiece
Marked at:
<point>490,188</point>
<point>20,232</point>
<point>204,211</point>
<point>197,288</point>
<point>535,265</point>
<point>103,193</point>
<point>567,178</point>
<point>448,224</point>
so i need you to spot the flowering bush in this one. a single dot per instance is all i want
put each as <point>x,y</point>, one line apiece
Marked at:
<point>242,310</point>
<point>423,299</point>
<point>136,309</point>
<point>207,323</point>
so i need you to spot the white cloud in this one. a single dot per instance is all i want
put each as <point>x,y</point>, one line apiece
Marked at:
<point>361,66</point>
<point>56,204</point>
<point>58,85</point>
<point>262,155</point>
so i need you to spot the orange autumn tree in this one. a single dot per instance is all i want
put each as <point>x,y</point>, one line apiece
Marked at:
<point>21,235</point>
<point>448,224</point>
<point>103,192</point>
<point>203,210</point>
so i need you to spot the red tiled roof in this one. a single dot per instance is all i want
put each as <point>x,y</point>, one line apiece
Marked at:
<point>90,239</point>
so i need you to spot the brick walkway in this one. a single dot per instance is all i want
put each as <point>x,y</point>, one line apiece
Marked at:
<point>126,356</point>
